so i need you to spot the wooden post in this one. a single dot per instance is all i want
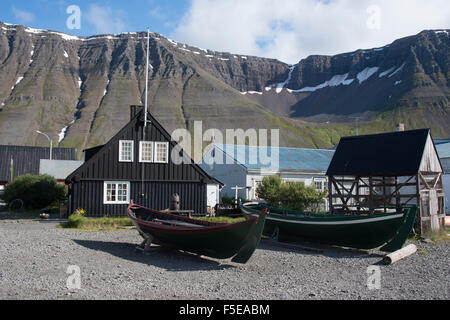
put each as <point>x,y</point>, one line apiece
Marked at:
<point>330,193</point>
<point>12,169</point>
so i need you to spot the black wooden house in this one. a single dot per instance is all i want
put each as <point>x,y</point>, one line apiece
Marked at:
<point>129,168</point>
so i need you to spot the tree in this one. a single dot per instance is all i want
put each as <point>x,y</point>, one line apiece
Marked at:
<point>36,192</point>
<point>290,195</point>
<point>269,190</point>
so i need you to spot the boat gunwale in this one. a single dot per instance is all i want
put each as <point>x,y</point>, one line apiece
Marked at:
<point>203,226</point>
<point>328,218</point>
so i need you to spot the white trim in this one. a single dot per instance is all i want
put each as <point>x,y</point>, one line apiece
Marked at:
<point>155,157</point>
<point>152,151</point>
<point>116,183</point>
<point>120,150</point>
<point>338,222</point>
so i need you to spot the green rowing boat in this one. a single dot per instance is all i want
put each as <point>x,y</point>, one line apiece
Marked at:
<point>212,239</point>
<point>389,230</point>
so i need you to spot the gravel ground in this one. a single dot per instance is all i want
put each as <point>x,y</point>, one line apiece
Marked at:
<point>34,257</point>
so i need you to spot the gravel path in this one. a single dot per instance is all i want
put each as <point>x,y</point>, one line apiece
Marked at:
<point>34,257</point>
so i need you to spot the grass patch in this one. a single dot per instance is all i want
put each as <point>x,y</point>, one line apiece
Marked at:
<point>96,224</point>
<point>222,219</point>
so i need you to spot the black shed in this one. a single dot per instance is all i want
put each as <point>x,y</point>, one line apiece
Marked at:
<point>388,171</point>
<point>130,168</point>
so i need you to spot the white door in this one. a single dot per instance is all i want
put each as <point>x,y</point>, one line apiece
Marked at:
<point>212,195</point>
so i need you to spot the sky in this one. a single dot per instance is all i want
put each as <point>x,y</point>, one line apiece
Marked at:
<point>287,30</point>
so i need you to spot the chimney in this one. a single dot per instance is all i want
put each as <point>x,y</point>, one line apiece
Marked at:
<point>134,110</point>
<point>400,127</point>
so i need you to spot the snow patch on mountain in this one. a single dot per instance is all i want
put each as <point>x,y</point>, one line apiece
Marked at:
<point>17,82</point>
<point>280,86</point>
<point>251,92</point>
<point>385,73</point>
<point>366,74</point>
<point>398,70</point>
<point>337,80</point>
<point>63,132</point>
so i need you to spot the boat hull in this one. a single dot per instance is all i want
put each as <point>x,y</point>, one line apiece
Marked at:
<point>220,241</point>
<point>361,232</point>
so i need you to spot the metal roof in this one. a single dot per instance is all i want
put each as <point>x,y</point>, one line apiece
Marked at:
<point>441,141</point>
<point>443,150</point>
<point>289,159</point>
<point>27,159</point>
<point>59,169</point>
<point>386,154</point>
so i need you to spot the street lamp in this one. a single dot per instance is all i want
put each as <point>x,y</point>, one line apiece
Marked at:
<point>50,140</point>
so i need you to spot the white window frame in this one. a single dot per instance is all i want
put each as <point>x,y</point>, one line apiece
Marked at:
<point>152,151</point>
<point>120,150</point>
<point>116,183</point>
<point>155,152</point>
<point>319,180</point>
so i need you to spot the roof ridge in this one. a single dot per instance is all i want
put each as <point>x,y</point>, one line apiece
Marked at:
<point>241,145</point>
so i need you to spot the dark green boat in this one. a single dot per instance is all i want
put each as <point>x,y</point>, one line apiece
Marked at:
<point>216,240</point>
<point>389,230</point>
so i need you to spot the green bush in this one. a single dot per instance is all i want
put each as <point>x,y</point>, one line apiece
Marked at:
<point>290,195</point>
<point>75,221</point>
<point>227,201</point>
<point>36,192</point>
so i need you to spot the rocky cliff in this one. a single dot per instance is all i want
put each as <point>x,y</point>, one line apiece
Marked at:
<point>79,90</point>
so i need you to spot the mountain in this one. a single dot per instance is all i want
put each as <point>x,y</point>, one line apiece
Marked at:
<point>406,81</point>
<point>78,90</point>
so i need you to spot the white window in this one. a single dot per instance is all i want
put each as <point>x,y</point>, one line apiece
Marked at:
<point>319,185</point>
<point>116,192</point>
<point>145,151</point>
<point>126,148</point>
<point>161,152</point>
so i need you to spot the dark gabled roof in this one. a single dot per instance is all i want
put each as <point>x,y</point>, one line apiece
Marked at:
<point>27,159</point>
<point>89,153</point>
<point>137,119</point>
<point>387,154</point>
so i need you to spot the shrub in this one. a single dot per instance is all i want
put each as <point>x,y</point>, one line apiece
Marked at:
<point>36,192</point>
<point>290,195</point>
<point>227,201</point>
<point>270,190</point>
<point>75,221</point>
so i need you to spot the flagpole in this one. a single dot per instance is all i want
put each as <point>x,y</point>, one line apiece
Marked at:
<point>146,77</point>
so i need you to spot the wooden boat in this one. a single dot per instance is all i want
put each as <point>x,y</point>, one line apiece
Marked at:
<point>389,230</point>
<point>216,240</point>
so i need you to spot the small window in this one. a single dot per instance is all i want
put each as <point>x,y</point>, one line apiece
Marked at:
<point>145,151</point>
<point>126,148</point>
<point>318,185</point>
<point>161,152</point>
<point>116,192</point>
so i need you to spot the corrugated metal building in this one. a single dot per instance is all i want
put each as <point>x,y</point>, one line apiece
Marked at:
<point>443,149</point>
<point>246,166</point>
<point>16,161</point>
<point>133,168</point>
